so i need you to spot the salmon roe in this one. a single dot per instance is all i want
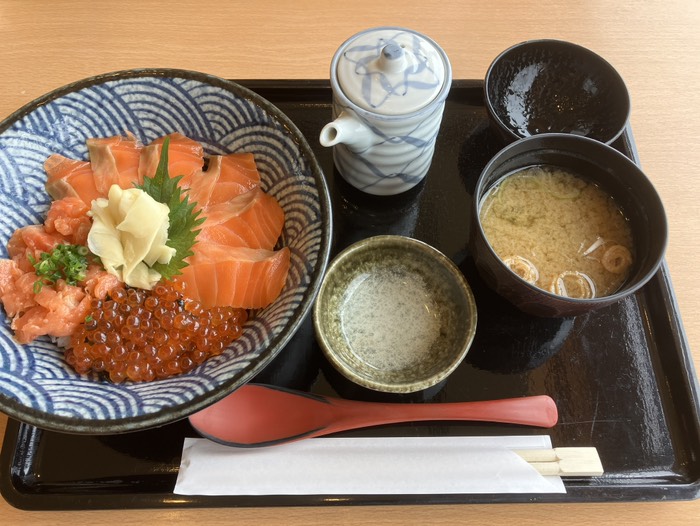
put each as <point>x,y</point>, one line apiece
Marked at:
<point>143,335</point>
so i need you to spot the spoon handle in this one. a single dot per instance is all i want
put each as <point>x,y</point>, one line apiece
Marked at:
<point>540,411</point>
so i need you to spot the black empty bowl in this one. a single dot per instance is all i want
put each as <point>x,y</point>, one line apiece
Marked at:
<point>550,86</point>
<point>610,170</point>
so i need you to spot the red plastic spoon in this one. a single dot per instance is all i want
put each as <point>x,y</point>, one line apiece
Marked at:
<point>259,415</point>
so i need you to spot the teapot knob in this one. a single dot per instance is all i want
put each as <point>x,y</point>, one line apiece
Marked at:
<point>392,58</point>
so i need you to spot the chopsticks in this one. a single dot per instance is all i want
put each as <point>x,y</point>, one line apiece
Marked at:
<point>564,461</point>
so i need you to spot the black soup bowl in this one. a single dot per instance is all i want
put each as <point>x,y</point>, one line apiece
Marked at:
<point>552,86</point>
<point>613,173</point>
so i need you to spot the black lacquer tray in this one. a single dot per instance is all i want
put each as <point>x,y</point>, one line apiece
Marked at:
<point>622,377</point>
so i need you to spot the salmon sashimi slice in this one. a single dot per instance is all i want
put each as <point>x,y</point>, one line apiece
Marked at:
<point>185,158</point>
<point>240,277</point>
<point>202,188</point>
<point>254,219</point>
<point>115,160</point>
<point>239,174</point>
<point>70,178</point>
<point>226,177</point>
<point>240,167</point>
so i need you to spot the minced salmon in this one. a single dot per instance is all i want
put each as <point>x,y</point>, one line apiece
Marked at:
<point>56,310</point>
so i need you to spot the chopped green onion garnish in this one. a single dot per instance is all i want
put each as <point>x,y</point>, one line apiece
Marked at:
<point>68,262</point>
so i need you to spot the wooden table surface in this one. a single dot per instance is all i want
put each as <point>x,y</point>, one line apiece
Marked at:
<point>655,45</point>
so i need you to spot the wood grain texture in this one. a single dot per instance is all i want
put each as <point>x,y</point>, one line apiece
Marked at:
<point>654,45</point>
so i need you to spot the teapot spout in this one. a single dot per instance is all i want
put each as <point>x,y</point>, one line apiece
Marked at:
<point>346,129</point>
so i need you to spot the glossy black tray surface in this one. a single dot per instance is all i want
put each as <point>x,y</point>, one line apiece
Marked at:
<point>622,377</point>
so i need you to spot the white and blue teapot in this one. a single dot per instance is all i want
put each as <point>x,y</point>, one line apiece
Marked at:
<point>389,89</point>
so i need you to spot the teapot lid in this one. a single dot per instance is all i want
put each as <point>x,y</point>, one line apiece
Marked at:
<point>391,70</point>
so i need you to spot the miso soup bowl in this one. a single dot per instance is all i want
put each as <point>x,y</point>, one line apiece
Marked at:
<point>615,174</point>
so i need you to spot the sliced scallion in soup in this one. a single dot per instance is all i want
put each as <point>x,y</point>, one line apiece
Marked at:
<point>558,231</point>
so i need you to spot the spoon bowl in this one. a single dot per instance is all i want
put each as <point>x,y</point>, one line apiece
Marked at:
<point>258,415</point>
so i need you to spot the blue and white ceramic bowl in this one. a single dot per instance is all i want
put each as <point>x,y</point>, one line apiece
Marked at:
<point>36,385</point>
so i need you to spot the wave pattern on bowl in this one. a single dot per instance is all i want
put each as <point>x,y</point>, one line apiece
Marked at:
<point>35,384</point>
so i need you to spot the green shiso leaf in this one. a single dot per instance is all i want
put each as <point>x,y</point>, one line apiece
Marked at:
<point>184,220</point>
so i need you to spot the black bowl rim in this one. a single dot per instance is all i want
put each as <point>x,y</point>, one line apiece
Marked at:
<point>605,149</point>
<point>66,424</point>
<point>563,44</point>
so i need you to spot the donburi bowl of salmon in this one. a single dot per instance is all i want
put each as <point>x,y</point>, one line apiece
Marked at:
<point>163,234</point>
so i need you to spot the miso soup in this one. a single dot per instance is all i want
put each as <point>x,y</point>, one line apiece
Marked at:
<point>558,231</point>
